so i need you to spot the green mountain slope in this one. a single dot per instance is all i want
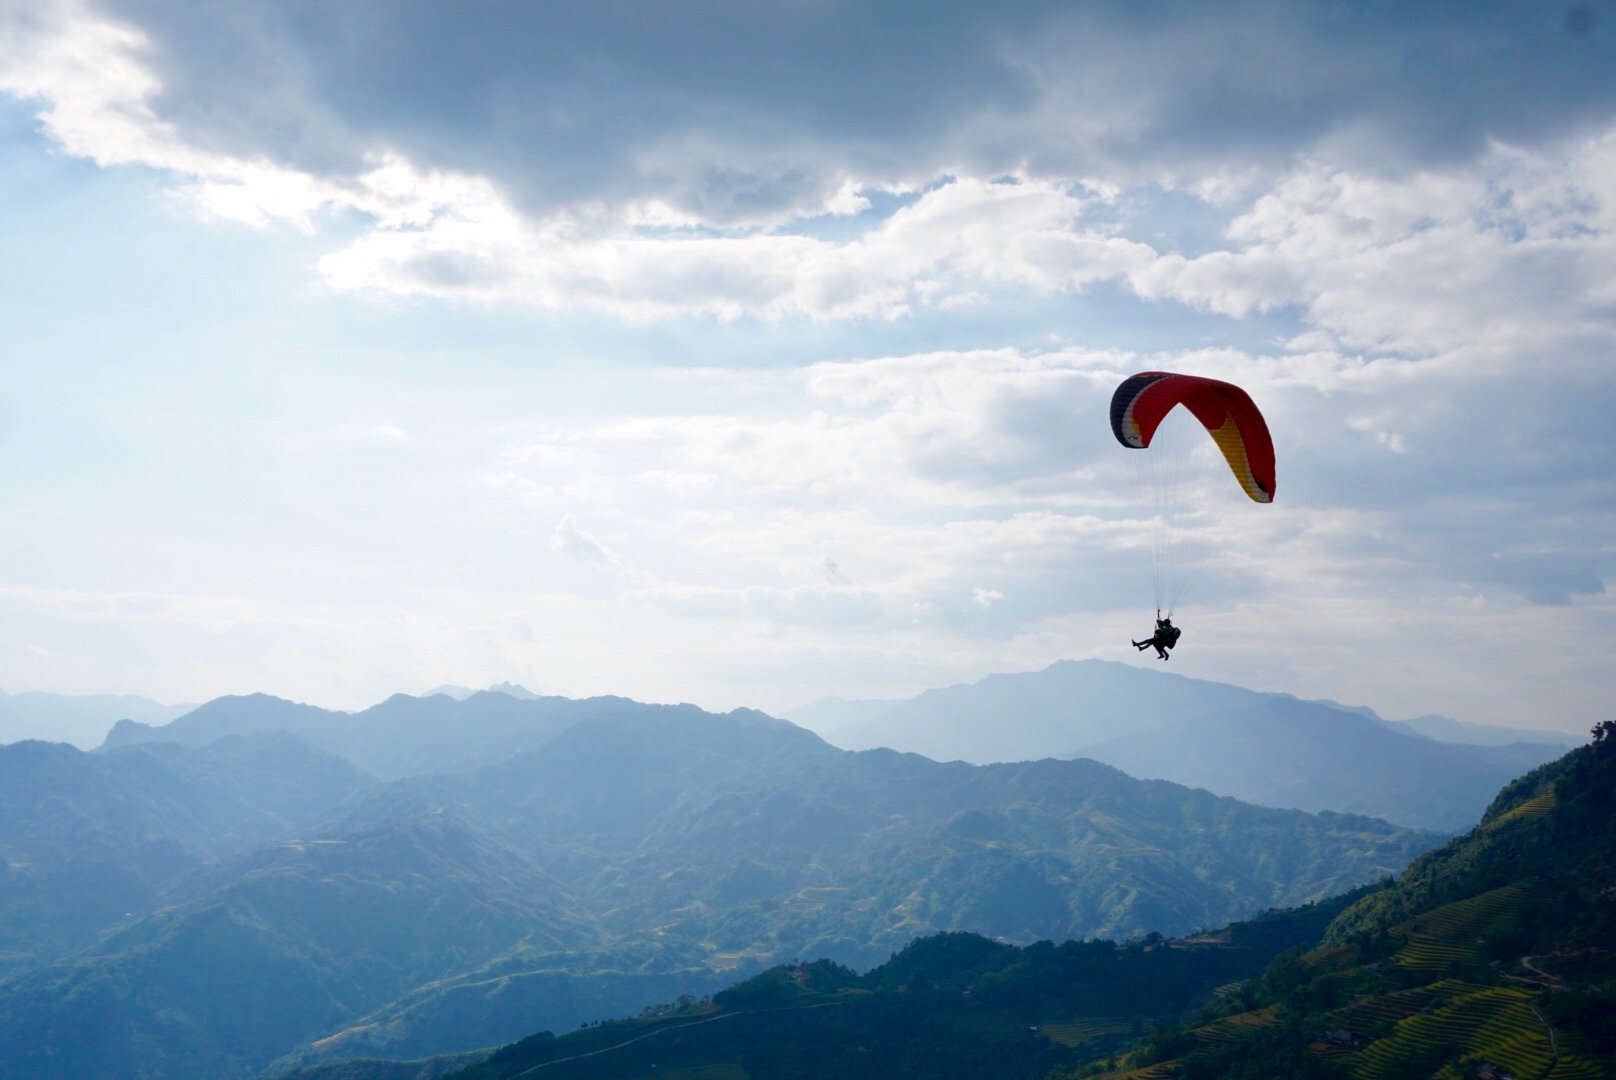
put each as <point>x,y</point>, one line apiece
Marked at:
<point>956,1005</point>
<point>640,852</point>
<point>1491,955</point>
<point>1492,952</point>
<point>709,844</point>
<point>90,841</point>
<point>750,833</point>
<point>292,940</point>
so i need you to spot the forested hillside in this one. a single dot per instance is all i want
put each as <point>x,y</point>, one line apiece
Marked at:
<point>549,862</point>
<point>957,1005</point>
<point>1490,956</point>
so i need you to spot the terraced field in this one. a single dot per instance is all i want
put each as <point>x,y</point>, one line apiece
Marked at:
<point>1435,957</point>
<point>1165,1070</point>
<point>1370,1014</point>
<point>1574,1067</point>
<point>1537,806</point>
<point>1581,1070</point>
<point>1229,1028</point>
<point>1495,1023</point>
<point>1333,958</point>
<point>1465,920</point>
<point>1450,1017</point>
<point>1449,934</point>
<point>1086,1029</point>
<point>1468,1012</point>
<point>1481,1022</point>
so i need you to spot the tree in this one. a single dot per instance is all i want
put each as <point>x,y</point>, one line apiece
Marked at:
<point>1604,734</point>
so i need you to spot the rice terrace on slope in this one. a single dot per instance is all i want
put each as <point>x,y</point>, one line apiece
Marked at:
<point>1406,986</point>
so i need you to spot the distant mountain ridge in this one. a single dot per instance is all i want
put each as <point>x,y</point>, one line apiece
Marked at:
<point>402,736</point>
<point>82,719</point>
<point>460,693</point>
<point>827,716</point>
<point>1489,957</point>
<point>1447,729</point>
<point>565,860</point>
<point>88,840</point>
<point>1269,749</point>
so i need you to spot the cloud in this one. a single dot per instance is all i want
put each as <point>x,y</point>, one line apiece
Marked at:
<point>103,99</point>
<point>647,166</point>
<point>1395,225</point>
<point>1054,565</point>
<point>569,539</point>
<point>985,496</point>
<point>1504,251</point>
<point>822,607</point>
<point>755,115</point>
<point>954,239</point>
<point>942,471</point>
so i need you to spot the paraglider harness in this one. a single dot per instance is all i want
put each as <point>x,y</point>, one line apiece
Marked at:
<point>1166,633</point>
<point>1165,637</point>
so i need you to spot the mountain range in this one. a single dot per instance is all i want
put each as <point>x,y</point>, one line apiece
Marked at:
<point>1489,957</point>
<point>82,719</point>
<point>1268,749</point>
<point>260,884</point>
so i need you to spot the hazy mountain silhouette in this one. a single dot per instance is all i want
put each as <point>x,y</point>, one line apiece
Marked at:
<point>280,898</point>
<point>1270,749</point>
<point>460,693</point>
<point>1447,729</point>
<point>828,715</point>
<point>402,736</point>
<point>295,939</point>
<point>82,720</point>
<point>88,840</point>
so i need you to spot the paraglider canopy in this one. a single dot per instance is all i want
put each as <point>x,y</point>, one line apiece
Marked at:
<point>1226,411</point>
<point>1180,477</point>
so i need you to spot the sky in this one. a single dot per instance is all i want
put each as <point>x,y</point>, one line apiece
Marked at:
<point>749,353</point>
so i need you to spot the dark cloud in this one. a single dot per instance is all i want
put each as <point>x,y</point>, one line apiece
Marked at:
<point>1548,578</point>
<point>1380,83</point>
<point>712,103</point>
<point>737,111</point>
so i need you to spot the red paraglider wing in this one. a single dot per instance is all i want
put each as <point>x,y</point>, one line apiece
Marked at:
<point>1226,411</point>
